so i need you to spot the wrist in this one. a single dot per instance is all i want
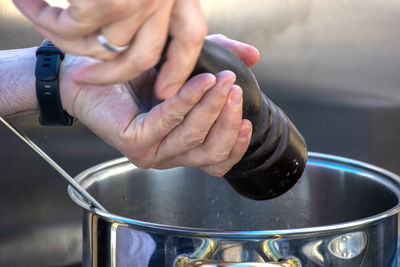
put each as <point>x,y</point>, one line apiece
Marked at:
<point>68,88</point>
<point>17,83</point>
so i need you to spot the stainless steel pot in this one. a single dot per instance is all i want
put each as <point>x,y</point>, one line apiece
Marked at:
<point>341,213</point>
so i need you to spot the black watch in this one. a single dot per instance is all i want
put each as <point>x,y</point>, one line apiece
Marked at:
<point>48,62</point>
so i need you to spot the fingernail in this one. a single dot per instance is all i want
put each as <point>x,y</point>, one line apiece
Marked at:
<point>229,82</point>
<point>236,97</point>
<point>227,86</point>
<point>209,86</point>
<point>244,132</point>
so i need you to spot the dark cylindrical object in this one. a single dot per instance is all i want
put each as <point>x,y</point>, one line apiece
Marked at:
<point>277,153</point>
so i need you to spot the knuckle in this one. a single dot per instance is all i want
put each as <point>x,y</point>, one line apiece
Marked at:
<point>185,97</point>
<point>217,172</point>
<point>192,34</point>
<point>193,140</point>
<point>218,157</point>
<point>234,125</point>
<point>142,161</point>
<point>141,157</point>
<point>83,13</point>
<point>202,31</point>
<point>197,34</point>
<point>170,120</point>
<point>215,107</point>
<point>143,165</point>
<point>118,7</point>
<point>104,56</point>
<point>143,63</point>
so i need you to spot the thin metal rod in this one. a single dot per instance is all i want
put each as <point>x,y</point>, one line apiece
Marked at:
<point>53,164</point>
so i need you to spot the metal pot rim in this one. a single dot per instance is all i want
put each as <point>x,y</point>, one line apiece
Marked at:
<point>393,181</point>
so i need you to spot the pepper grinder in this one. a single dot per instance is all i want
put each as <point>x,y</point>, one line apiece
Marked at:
<point>277,153</point>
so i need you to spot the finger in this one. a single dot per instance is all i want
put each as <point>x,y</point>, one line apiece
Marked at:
<point>194,129</point>
<point>247,53</point>
<point>143,53</point>
<point>187,30</point>
<point>239,149</point>
<point>120,32</point>
<point>220,140</point>
<point>163,118</point>
<point>85,46</point>
<point>63,22</point>
<point>222,135</point>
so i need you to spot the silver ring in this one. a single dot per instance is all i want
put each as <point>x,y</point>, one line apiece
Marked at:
<point>115,49</point>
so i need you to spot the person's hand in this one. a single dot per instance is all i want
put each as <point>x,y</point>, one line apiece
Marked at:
<point>201,126</point>
<point>142,25</point>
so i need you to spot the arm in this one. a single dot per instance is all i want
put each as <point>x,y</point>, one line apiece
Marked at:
<point>200,126</point>
<point>17,82</point>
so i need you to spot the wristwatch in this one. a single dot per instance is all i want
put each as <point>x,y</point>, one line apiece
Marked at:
<point>48,63</point>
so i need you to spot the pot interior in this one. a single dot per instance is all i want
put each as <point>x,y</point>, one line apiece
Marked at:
<point>330,191</point>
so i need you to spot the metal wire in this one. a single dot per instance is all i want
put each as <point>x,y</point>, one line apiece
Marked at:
<point>53,164</point>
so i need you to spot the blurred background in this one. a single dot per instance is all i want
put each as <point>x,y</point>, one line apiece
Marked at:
<point>332,66</point>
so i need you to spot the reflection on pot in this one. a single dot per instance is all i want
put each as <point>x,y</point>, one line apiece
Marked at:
<point>312,252</point>
<point>349,245</point>
<point>133,248</point>
<point>250,253</point>
<point>276,250</point>
<point>223,251</point>
<point>344,250</point>
<point>203,251</point>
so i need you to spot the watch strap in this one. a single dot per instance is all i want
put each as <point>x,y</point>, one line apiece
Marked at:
<point>48,63</point>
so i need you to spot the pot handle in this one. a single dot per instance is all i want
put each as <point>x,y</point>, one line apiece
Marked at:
<point>211,263</point>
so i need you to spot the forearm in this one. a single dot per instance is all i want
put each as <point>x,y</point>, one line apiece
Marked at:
<point>17,82</point>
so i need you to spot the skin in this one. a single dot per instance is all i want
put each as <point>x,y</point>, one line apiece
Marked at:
<point>200,126</point>
<point>142,24</point>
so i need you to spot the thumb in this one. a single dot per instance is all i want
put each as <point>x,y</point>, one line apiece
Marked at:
<point>247,53</point>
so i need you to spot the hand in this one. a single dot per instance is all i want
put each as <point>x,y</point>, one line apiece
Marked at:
<point>143,25</point>
<point>200,126</point>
